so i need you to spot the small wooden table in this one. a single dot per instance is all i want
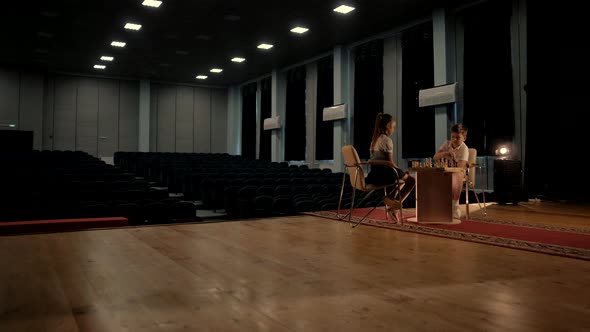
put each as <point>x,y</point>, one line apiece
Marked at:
<point>434,195</point>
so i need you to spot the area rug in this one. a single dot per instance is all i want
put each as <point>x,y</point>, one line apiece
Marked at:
<point>555,240</point>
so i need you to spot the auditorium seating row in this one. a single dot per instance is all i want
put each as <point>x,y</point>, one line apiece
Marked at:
<point>242,187</point>
<point>60,184</point>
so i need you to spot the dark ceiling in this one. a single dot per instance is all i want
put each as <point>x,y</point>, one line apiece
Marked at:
<point>181,39</point>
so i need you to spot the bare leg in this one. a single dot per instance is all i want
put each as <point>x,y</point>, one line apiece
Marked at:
<point>409,183</point>
<point>457,185</point>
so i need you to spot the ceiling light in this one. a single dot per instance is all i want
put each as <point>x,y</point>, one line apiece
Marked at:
<point>216,70</point>
<point>44,34</point>
<point>99,66</point>
<point>132,26</point>
<point>152,3</point>
<point>344,9</point>
<point>265,46</point>
<point>299,30</point>
<point>9,125</point>
<point>238,59</point>
<point>118,44</point>
<point>201,77</point>
<point>106,58</point>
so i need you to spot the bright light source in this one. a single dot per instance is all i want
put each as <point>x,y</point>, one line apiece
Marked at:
<point>99,66</point>
<point>299,30</point>
<point>132,26</point>
<point>265,46</point>
<point>344,9</point>
<point>201,77</point>
<point>503,151</point>
<point>216,70</point>
<point>118,44</point>
<point>8,125</point>
<point>152,3</point>
<point>238,59</point>
<point>106,58</point>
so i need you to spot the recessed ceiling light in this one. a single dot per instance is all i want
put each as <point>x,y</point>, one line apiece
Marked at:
<point>231,17</point>
<point>299,30</point>
<point>152,3</point>
<point>132,26</point>
<point>344,9</point>
<point>99,66</point>
<point>118,44</point>
<point>106,58</point>
<point>50,14</point>
<point>216,70</point>
<point>201,77</point>
<point>238,59</point>
<point>44,34</point>
<point>265,46</point>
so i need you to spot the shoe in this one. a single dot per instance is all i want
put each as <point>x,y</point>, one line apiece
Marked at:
<point>392,204</point>
<point>456,212</point>
<point>393,214</point>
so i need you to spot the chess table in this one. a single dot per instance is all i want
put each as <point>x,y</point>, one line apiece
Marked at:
<point>434,195</point>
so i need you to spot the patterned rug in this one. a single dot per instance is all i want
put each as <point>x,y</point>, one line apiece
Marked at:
<point>554,240</point>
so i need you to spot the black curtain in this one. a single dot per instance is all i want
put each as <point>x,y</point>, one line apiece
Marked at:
<point>555,131</point>
<point>324,130</point>
<point>249,120</point>
<point>265,112</point>
<point>295,115</point>
<point>488,100</point>
<point>418,126</point>
<point>368,93</point>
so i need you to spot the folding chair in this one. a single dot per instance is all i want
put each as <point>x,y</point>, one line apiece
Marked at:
<point>355,172</point>
<point>472,165</point>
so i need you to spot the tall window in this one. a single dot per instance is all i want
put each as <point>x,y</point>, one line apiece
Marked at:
<point>488,101</point>
<point>324,130</point>
<point>418,132</point>
<point>295,115</point>
<point>249,120</point>
<point>265,112</point>
<point>368,93</point>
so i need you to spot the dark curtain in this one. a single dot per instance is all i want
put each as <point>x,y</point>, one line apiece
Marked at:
<point>368,93</point>
<point>488,101</point>
<point>249,120</point>
<point>555,131</point>
<point>295,115</point>
<point>324,130</point>
<point>418,126</point>
<point>265,112</point>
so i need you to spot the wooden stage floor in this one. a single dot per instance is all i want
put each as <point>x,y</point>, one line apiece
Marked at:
<point>300,273</point>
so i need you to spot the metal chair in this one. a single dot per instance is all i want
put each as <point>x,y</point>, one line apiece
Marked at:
<point>355,172</point>
<point>469,180</point>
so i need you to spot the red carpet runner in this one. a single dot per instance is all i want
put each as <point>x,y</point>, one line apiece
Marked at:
<point>556,240</point>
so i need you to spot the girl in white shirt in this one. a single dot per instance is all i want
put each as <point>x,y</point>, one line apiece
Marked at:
<point>383,169</point>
